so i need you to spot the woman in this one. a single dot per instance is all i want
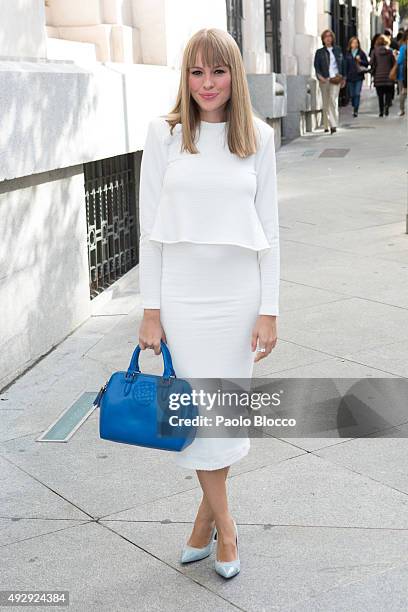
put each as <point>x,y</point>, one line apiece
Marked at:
<point>382,60</point>
<point>402,72</point>
<point>373,41</point>
<point>209,255</point>
<point>356,63</point>
<point>330,70</point>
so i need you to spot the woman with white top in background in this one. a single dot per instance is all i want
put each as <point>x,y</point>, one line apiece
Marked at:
<point>209,256</point>
<point>330,68</point>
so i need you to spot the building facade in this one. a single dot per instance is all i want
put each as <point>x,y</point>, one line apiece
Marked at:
<point>80,82</point>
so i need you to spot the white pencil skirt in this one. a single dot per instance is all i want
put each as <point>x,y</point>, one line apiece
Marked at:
<point>210,298</point>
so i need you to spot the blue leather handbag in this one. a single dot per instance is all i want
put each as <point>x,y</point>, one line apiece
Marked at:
<point>135,408</point>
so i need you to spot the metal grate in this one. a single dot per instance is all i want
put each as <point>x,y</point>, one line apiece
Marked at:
<point>334,153</point>
<point>111,210</point>
<point>64,427</point>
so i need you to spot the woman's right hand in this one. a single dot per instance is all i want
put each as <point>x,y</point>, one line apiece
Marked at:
<point>151,331</point>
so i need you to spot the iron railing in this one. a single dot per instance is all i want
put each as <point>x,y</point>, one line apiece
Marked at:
<point>111,211</point>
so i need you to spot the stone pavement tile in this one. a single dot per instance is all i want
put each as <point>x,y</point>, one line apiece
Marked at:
<point>97,325</point>
<point>316,217</point>
<point>287,356</point>
<point>305,490</point>
<point>19,529</point>
<point>390,357</point>
<point>23,496</point>
<point>379,592</point>
<point>382,459</point>
<point>298,296</point>
<point>282,363</point>
<point>346,182</point>
<point>103,572</point>
<point>102,477</point>
<point>379,280</point>
<point>310,490</point>
<point>340,328</point>
<point>387,241</point>
<point>330,367</point>
<point>280,565</point>
<point>316,444</point>
<point>96,475</point>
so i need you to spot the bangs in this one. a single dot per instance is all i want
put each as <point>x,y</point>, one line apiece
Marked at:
<point>212,52</point>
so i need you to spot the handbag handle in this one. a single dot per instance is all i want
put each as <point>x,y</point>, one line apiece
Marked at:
<point>168,371</point>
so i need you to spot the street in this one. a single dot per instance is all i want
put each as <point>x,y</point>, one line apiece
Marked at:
<point>323,523</point>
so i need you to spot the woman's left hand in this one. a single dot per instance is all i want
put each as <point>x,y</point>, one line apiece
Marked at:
<point>264,333</point>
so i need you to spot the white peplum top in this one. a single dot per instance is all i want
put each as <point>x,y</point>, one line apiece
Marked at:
<point>212,197</point>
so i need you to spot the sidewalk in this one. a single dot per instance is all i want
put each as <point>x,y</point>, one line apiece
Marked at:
<point>323,523</point>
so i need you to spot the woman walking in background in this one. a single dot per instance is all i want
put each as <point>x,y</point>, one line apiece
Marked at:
<point>373,41</point>
<point>330,70</point>
<point>402,72</point>
<point>209,256</point>
<point>382,60</point>
<point>357,66</point>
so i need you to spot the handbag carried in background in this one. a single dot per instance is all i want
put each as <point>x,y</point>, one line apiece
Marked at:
<point>362,69</point>
<point>393,72</point>
<point>336,80</point>
<point>135,408</point>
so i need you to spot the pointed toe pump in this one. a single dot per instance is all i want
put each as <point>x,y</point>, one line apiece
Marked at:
<point>228,569</point>
<point>191,553</point>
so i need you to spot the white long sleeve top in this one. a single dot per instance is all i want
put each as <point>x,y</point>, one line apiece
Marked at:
<point>212,197</point>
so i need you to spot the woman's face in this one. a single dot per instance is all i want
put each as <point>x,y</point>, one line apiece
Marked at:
<point>210,86</point>
<point>354,44</point>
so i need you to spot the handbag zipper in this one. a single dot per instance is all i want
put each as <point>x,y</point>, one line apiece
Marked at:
<point>100,393</point>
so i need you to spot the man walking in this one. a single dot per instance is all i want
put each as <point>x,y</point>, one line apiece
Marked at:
<point>330,70</point>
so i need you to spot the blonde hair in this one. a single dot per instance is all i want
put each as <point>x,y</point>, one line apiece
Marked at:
<point>217,48</point>
<point>382,41</point>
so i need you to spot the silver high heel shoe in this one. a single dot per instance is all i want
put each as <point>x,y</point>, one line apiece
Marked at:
<point>191,553</point>
<point>228,569</point>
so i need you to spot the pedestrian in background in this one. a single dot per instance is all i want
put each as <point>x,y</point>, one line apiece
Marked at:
<point>356,66</point>
<point>393,41</point>
<point>394,46</point>
<point>402,72</point>
<point>373,41</point>
<point>330,67</point>
<point>382,61</point>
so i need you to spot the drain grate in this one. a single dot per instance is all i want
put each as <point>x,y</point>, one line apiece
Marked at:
<point>349,126</point>
<point>334,153</point>
<point>70,420</point>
